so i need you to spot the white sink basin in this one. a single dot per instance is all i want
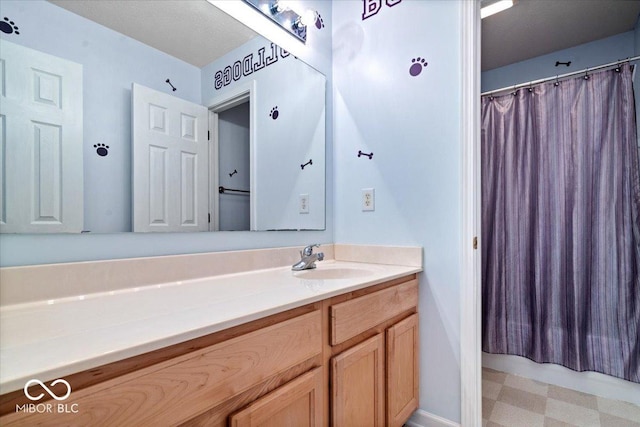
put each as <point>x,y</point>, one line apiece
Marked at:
<point>332,273</point>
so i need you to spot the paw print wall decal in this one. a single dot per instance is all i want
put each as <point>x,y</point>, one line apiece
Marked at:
<point>101,149</point>
<point>274,113</point>
<point>319,22</point>
<point>7,26</point>
<point>417,64</point>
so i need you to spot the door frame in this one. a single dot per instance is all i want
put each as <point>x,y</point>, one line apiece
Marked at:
<point>229,99</point>
<point>471,239</point>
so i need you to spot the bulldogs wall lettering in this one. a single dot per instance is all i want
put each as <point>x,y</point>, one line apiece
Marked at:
<point>248,65</point>
<point>372,7</point>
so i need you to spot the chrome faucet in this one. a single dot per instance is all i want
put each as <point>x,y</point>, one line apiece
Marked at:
<point>308,258</point>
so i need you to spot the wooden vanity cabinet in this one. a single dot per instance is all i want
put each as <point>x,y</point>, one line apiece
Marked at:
<point>374,368</point>
<point>350,360</point>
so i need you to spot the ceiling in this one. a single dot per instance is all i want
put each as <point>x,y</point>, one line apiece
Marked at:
<point>537,27</point>
<point>193,31</point>
<point>530,28</point>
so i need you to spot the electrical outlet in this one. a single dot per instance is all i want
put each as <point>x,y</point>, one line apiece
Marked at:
<point>368,199</point>
<point>304,204</point>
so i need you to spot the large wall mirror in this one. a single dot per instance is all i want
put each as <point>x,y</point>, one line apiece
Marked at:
<point>151,116</point>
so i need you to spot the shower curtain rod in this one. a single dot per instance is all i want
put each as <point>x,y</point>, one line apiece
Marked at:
<point>560,76</point>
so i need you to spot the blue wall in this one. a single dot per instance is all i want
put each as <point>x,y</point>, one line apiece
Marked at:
<point>599,52</point>
<point>412,125</point>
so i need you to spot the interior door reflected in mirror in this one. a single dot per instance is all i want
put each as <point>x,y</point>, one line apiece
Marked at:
<point>232,136</point>
<point>232,160</point>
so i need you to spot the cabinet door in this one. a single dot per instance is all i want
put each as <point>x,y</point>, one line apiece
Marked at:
<point>358,385</point>
<point>402,370</point>
<point>295,404</point>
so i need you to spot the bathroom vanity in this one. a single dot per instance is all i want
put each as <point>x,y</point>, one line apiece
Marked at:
<point>337,345</point>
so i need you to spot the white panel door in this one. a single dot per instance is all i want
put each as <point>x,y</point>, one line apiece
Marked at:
<point>41,172</point>
<point>170,163</point>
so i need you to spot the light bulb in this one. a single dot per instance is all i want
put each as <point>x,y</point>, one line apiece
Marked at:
<point>308,17</point>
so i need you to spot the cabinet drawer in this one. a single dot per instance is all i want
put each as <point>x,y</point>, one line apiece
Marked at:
<point>355,316</point>
<point>173,391</point>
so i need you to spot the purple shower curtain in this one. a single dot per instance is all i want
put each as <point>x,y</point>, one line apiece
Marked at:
<point>561,224</point>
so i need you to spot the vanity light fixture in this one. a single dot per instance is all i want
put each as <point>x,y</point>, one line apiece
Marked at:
<point>288,5</point>
<point>308,17</point>
<point>275,7</point>
<point>495,7</point>
<point>298,23</point>
<point>285,14</point>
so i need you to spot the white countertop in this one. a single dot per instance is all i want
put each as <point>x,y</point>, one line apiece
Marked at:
<point>50,339</point>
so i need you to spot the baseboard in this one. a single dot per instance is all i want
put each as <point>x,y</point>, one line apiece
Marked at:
<point>422,418</point>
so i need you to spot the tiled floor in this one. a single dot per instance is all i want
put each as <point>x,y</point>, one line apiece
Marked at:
<point>512,401</point>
